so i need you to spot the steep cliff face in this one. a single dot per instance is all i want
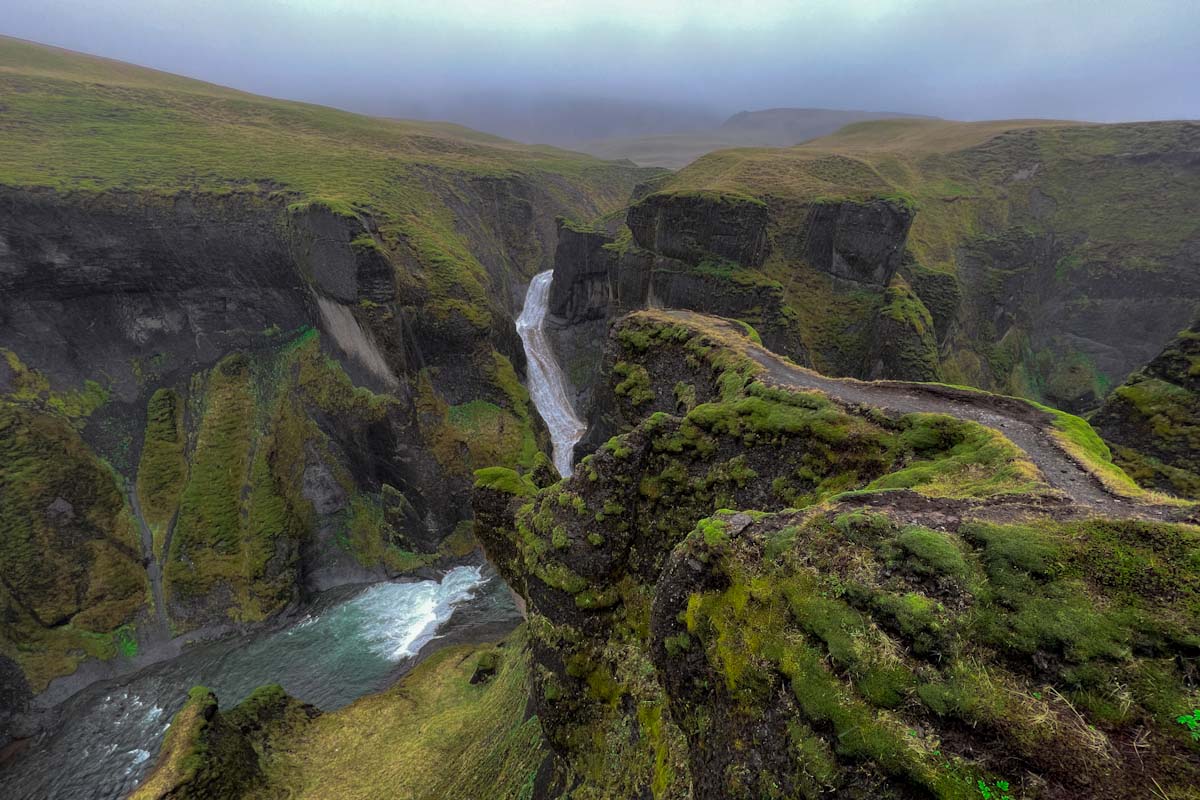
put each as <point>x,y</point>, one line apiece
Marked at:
<point>691,227</point>
<point>711,252</point>
<point>1053,259</point>
<point>253,367</point>
<point>827,637</point>
<point>1153,419</point>
<point>861,242</point>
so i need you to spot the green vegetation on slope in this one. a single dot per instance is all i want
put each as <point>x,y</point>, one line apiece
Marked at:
<point>434,735</point>
<point>882,660</point>
<point>1153,419</point>
<point>82,123</point>
<point>71,577</point>
<point>950,627</point>
<point>162,469</point>
<point>243,515</point>
<point>203,755</point>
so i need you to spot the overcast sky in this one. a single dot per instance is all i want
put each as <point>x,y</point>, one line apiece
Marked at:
<point>1102,60</point>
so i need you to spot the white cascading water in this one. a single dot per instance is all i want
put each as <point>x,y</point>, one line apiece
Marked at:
<point>547,386</point>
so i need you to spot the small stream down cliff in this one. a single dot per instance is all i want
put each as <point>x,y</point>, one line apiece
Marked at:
<point>547,386</point>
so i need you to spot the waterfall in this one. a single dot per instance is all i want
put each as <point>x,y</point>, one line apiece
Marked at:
<point>547,386</point>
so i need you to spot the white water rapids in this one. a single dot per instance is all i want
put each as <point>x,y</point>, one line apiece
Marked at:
<point>547,386</point>
<point>345,647</point>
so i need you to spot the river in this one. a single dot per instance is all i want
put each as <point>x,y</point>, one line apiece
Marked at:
<point>547,385</point>
<point>351,642</point>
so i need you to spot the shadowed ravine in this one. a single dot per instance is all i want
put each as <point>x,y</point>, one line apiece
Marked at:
<point>547,386</point>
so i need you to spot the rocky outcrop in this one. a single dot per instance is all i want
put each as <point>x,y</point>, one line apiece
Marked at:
<point>710,252</point>
<point>209,753</point>
<point>903,342</point>
<point>826,637</point>
<point>694,226</point>
<point>585,265</point>
<point>856,241</point>
<point>1153,419</point>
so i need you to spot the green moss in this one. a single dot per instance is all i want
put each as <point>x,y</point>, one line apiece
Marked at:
<point>202,755</point>
<point>750,331</point>
<point>932,552</point>
<point>635,383</point>
<point>958,458</point>
<point>206,543</point>
<point>28,386</point>
<point>68,550</point>
<point>162,469</point>
<point>372,540</point>
<point>503,479</point>
<point>872,658</point>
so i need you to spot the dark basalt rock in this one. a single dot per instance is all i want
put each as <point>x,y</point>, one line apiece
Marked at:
<point>582,288</point>
<point>692,226</point>
<point>857,241</point>
<point>14,697</point>
<point>1084,319</point>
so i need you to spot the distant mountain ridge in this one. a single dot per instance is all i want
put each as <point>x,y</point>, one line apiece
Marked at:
<point>770,127</point>
<point>787,126</point>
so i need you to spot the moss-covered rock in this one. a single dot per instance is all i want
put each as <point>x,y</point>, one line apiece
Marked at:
<point>202,756</point>
<point>843,652</point>
<point>1153,419</point>
<point>73,579</point>
<point>898,608</point>
<point>208,753</point>
<point>904,345</point>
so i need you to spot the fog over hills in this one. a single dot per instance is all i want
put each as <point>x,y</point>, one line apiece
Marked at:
<point>772,127</point>
<point>557,72</point>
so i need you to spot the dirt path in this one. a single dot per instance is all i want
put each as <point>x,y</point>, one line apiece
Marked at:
<point>1025,425</point>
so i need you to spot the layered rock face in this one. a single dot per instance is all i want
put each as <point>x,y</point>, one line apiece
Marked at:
<point>1153,419</point>
<point>712,614</point>
<point>861,242</point>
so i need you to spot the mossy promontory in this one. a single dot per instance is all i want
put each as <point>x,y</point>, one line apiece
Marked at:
<point>1153,419</point>
<point>754,591</point>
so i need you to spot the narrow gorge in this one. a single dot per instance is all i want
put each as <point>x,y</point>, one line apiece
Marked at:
<point>347,456</point>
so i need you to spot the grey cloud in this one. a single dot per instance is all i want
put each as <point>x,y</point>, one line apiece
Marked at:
<point>585,77</point>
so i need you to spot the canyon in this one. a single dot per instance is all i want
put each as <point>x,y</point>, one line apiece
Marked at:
<point>864,467</point>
